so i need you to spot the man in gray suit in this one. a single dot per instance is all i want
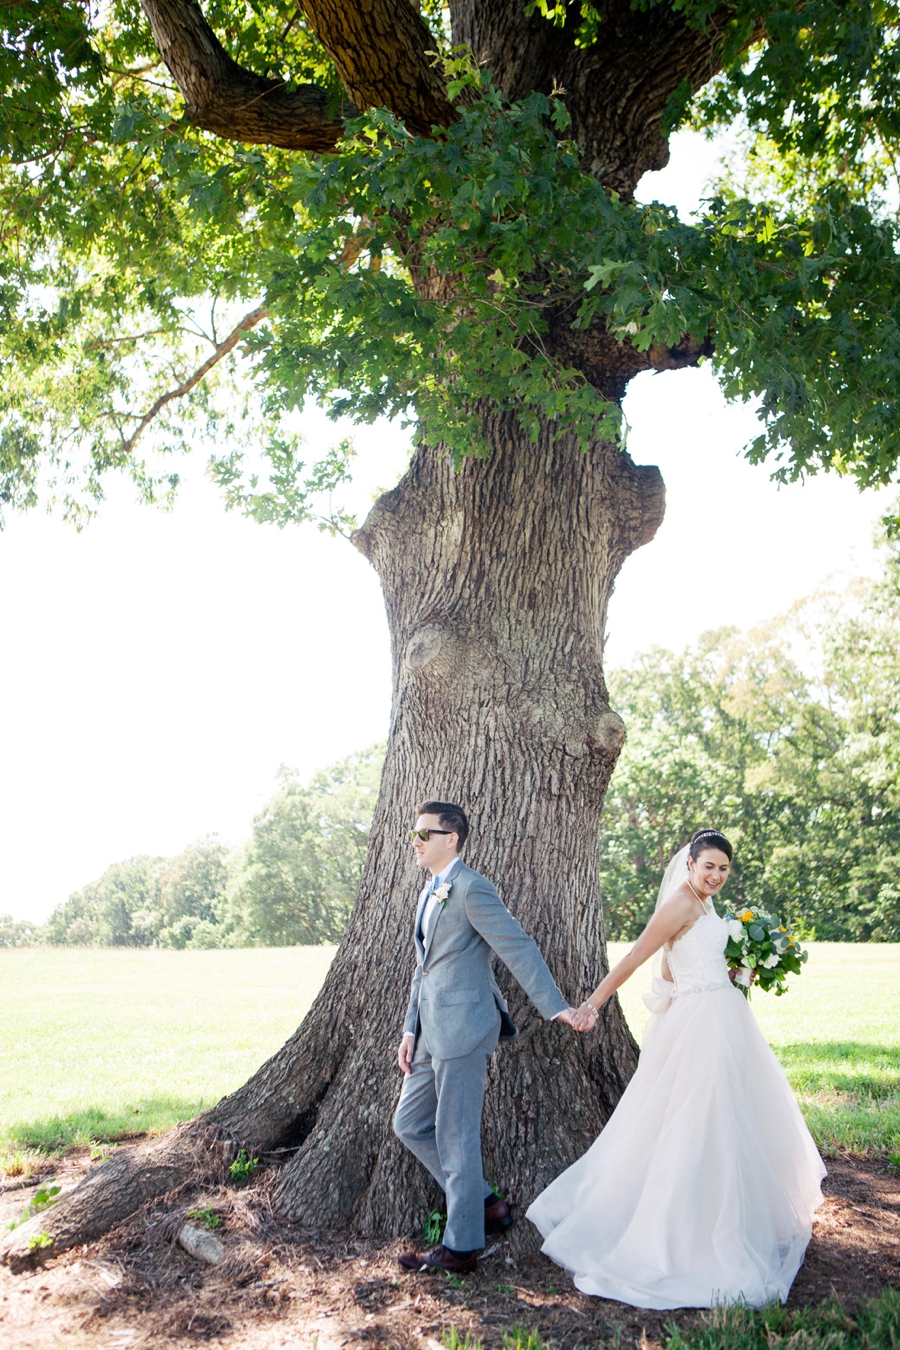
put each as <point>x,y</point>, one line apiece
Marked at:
<point>455,1017</point>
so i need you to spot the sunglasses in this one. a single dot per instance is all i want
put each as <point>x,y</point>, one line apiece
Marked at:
<point>425,834</point>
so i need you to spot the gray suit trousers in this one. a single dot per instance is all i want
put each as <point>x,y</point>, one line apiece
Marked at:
<point>438,1118</point>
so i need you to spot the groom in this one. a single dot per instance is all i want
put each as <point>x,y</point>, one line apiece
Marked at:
<point>455,1017</point>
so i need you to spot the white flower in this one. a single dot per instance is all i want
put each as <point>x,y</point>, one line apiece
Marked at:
<point>442,892</point>
<point>772,960</point>
<point>735,929</point>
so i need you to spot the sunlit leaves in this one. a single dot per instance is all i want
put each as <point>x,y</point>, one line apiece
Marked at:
<point>285,490</point>
<point>805,317</point>
<point>826,75</point>
<point>425,279</point>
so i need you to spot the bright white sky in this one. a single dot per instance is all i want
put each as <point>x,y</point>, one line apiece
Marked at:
<point>157,669</point>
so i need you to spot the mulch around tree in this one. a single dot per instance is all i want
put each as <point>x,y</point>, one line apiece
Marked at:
<point>279,1286</point>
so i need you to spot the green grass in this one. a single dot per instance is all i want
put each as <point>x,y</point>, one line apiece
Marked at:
<point>98,1044</point>
<point>874,1326</point>
<point>837,1033</point>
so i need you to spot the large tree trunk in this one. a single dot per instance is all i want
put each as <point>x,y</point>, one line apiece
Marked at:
<point>496,581</point>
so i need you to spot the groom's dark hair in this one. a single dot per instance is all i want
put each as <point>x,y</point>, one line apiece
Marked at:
<point>452,817</point>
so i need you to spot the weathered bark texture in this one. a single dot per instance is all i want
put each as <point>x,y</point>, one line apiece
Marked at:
<point>616,89</point>
<point>386,57</point>
<point>496,581</point>
<point>384,53</point>
<point>120,1186</point>
<point>222,97</point>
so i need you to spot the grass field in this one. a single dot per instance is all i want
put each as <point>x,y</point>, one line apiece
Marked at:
<point>96,1044</point>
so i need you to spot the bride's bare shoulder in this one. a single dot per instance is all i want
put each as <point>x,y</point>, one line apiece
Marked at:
<point>679,913</point>
<point>678,899</point>
<point>679,906</point>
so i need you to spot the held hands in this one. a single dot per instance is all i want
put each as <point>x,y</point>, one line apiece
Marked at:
<point>586,1017</point>
<point>579,1019</point>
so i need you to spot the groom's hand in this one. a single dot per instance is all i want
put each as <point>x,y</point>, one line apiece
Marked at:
<point>405,1052</point>
<point>578,1018</point>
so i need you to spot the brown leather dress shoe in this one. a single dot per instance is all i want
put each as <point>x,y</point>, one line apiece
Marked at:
<point>439,1259</point>
<point>497,1216</point>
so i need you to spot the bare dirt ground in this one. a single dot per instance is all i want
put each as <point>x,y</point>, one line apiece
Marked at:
<point>279,1286</point>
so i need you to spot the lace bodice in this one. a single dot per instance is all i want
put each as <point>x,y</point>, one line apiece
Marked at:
<point>697,960</point>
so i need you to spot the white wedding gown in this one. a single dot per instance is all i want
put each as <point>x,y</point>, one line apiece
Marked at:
<point>702,1187</point>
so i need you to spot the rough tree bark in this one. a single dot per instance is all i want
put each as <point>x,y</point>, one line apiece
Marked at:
<point>496,582</point>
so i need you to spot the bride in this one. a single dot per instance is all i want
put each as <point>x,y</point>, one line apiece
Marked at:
<point>702,1187</point>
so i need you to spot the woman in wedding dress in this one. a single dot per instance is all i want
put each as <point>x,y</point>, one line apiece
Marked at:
<point>702,1187</point>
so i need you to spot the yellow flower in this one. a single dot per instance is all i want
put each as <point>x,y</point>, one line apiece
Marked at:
<point>747,916</point>
<point>782,929</point>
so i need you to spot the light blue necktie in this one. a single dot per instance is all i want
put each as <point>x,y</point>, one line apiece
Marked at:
<point>435,882</point>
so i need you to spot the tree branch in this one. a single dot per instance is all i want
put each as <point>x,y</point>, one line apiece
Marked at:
<point>222,97</point>
<point>616,89</point>
<point>384,53</point>
<point>380,48</point>
<point>222,349</point>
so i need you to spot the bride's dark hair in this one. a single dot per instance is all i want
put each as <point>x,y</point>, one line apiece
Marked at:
<point>702,839</point>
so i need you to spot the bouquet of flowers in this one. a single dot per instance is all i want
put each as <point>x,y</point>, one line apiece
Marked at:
<point>759,943</point>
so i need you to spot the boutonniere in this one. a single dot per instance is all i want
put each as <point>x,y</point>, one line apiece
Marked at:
<point>442,893</point>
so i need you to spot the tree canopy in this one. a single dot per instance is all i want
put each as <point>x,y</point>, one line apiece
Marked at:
<point>287,213</point>
<point>301,868</point>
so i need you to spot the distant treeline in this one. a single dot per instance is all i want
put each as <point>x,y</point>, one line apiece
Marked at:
<point>292,883</point>
<point>786,737</point>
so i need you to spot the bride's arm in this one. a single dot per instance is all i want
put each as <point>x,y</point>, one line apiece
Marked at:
<point>668,920</point>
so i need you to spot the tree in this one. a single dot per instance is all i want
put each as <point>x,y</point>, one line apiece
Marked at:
<point>15,932</point>
<point>729,732</point>
<point>147,902</point>
<point>303,863</point>
<point>191,896</point>
<point>861,659</point>
<point>119,909</point>
<point>293,883</point>
<point>454,242</point>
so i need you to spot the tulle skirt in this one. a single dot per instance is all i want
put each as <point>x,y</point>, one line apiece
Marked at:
<point>702,1187</point>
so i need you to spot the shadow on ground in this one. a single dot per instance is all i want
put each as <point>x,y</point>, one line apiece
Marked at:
<point>285,1286</point>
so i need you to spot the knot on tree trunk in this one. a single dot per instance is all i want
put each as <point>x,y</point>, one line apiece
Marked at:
<point>609,360</point>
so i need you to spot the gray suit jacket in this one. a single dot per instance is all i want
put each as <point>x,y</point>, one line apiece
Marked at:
<point>454,999</point>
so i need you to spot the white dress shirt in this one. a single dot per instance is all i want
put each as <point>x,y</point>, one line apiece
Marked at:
<point>433,901</point>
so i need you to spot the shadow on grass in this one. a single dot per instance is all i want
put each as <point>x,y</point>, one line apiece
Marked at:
<point>95,1125</point>
<point>865,1072</point>
<point>849,1093</point>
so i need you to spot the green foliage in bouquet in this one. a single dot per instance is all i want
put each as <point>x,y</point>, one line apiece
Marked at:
<point>760,945</point>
